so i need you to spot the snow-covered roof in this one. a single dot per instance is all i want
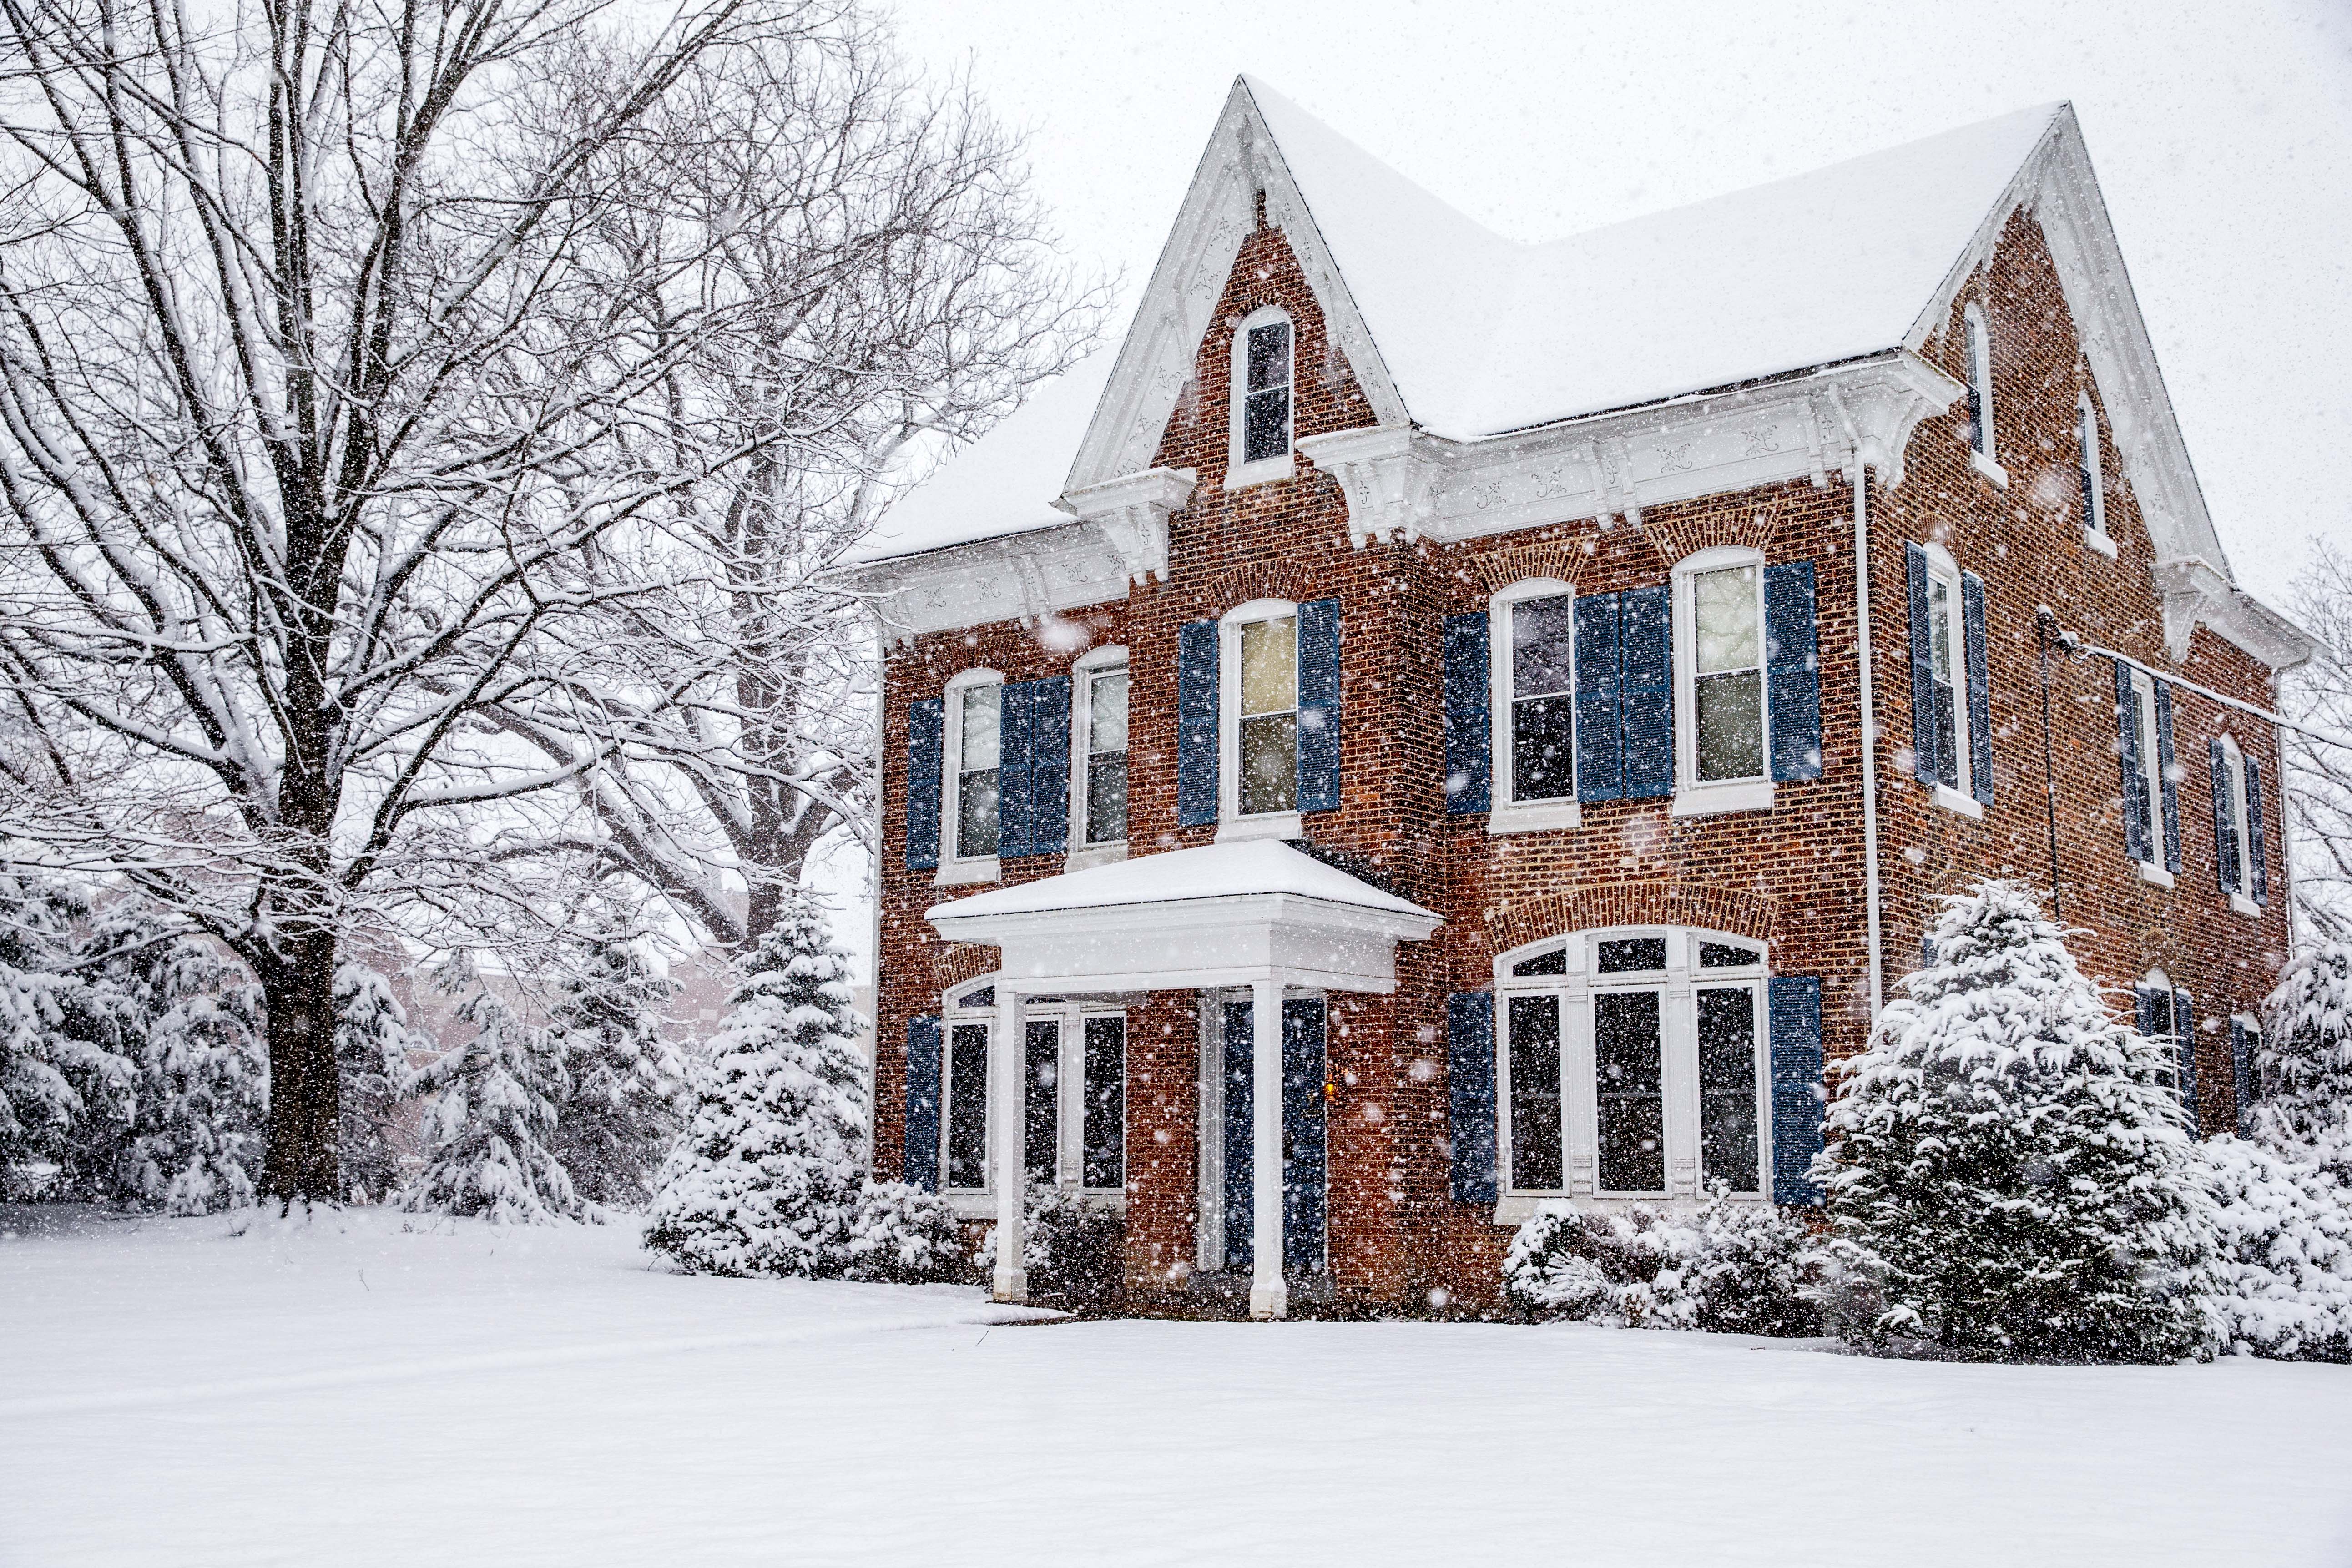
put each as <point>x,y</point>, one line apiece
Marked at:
<point>1481,335</point>
<point>1211,871</point>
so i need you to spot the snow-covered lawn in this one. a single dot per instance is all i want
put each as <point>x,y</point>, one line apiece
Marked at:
<point>352,1393</point>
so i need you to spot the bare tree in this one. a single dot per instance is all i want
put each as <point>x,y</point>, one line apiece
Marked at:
<point>318,379</point>
<point>2318,784</point>
<point>894,287</point>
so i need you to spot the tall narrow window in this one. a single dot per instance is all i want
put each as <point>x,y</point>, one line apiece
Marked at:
<point>2230,835</point>
<point>1103,1136</point>
<point>1266,396</point>
<point>1535,1094</point>
<point>1979,342</point>
<point>1629,1087</point>
<point>1106,699</point>
<point>1269,716</point>
<point>1945,645</point>
<point>967,1116</point>
<point>979,726</point>
<point>1543,699</point>
<point>1727,1086</point>
<point>1728,676</point>
<point>2095,502</point>
<point>1040,1102</point>
<point>2150,802</point>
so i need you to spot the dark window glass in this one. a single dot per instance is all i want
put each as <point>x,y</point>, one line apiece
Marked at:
<point>1266,402</point>
<point>2226,842</point>
<point>968,1106</point>
<point>1728,674</point>
<point>1106,758</point>
<point>1629,1086</point>
<point>1632,955</point>
<point>1038,1099</point>
<point>1943,659</point>
<point>1543,749</point>
<point>976,778</point>
<point>1723,955</point>
<point>2163,1014</point>
<point>1104,1141</point>
<point>1535,1094</point>
<point>983,997</point>
<point>1726,1087</point>
<point>1269,763</point>
<point>1552,962</point>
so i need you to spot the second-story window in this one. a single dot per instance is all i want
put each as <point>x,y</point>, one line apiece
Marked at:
<point>1980,345</point>
<point>2095,504</point>
<point>1542,750</point>
<point>1105,698</point>
<point>1726,617</point>
<point>1269,737</point>
<point>979,729</point>
<point>1945,644</point>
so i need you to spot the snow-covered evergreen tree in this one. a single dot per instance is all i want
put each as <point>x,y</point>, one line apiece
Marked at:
<point>47,1074</point>
<point>769,1178</point>
<point>2009,1167</point>
<point>491,1122</point>
<point>372,1042</point>
<point>619,1110</point>
<point>2303,1068</point>
<point>2284,1287</point>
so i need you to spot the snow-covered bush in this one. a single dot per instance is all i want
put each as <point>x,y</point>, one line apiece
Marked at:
<point>769,1178</point>
<point>1072,1251</point>
<point>372,1042</point>
<point>1730,1268</point>
<point>2283,1282</point>
<point>490,1122</point>
<point>623,1081</point>
<point>2303,1068</point>
<point>2009,1168</point>
<point>49,1074</point>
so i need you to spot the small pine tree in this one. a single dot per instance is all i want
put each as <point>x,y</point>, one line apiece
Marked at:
<point>49,1074</point>
<point>372,1042</point>
<point>491,1122</point>
<point>2010,1167</point>
<point>769,1177</point>
<point>620,1109</point>
<point>2304,1064</point>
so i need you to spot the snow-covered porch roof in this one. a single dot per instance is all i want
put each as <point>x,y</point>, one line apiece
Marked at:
<point>1223,914</point>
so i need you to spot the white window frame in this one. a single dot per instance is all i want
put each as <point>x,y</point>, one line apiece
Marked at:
<point>1693,798</point>
<point>2155,980</point>
<point>2252,1028</point>
<point>1239,475</point>
<point>1979,350</point>
<point>1231,823</point>
<point>1096,662</point>
<point>2092,462</point>
<point>1069,1091</point>
<point>2234,763</point>
<point>1505,813</point>
<point>1680,981</point>
<point>1943,569</point>
<point>958,869</point>
<point>2152,871</point>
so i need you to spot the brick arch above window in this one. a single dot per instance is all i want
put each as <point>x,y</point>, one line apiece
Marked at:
<point>1657,902</point>
<point>1495,570</point>
<point>1750,527</point>
<point>961,960</point>
<point>1257,580</point>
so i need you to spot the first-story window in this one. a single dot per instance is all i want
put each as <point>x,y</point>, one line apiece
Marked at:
<point>1268,735</point>
<point>977,729</point>
<point>966,1127</point>
<point>1072,1094</point>
<point>1726,619</point>
<point>1104,698</point>
<point>1542,698</point>
<point>1634,1064</point>
<point>1102,1138</point>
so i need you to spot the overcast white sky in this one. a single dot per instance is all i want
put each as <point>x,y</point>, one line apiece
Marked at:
<point>2221,133</point>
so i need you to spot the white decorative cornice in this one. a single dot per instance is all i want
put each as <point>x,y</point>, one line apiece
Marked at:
<point>2195,592</point>
<point>1385,471</point>
<point>1132,513</point>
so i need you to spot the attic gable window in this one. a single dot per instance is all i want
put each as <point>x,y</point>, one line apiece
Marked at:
<point>2089,470</point>
<point>1262,383</point>
<point>1980,418</point>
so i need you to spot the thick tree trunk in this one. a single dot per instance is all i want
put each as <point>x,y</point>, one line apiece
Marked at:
<point>305,1087</point>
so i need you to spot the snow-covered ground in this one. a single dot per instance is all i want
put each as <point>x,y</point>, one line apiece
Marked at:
<point>353,1394</point>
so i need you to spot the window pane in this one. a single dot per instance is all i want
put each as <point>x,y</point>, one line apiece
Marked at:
<point>1729,727</point>
<point>1535,1094</point>
<point>1269,355</point>
<point>1107,724</point>
<point>1104,1140</point>
<point>1726,1087</point>
<point>979,727</point>
<point>1543,749</point>
<point>2162,1014</point>
<point>976,813</point>
<point>1725,609</point>
<point>983,997</point>
<point>968,1106</point>
<point>1946,715</point>
<point>1265,425</point>
<point>2227,831</point>
<point>1543,633</point>
<point>1107,798</point>
<point>1038,1125</point>
<point>1723,955</point>
<point>1269,779</point>
<point>1628,1086</point>
<point>1270,666</point>
<point>1939,629</point>
<point>1552,962</point>
<point>1632,955</point>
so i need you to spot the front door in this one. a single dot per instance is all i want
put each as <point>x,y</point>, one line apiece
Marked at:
<point>1304,1168</point>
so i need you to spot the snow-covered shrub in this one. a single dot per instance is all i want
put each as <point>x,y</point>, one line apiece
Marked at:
<point>1072,1251</point>
<point>372,1042</point>
<point>2282,1285</point>
<point>488,1126</point>
<point>623,1081</point>
<point>2303,1068</point>
<point>1730,1268</point>
<point>2009,1168</point>
<point>902,1235</point>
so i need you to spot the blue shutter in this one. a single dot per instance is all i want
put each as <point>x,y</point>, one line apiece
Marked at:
<point>1305,1154</point>
<point>1196,723</point>
<point>2166,771</point>
<point>1469,726</point>
<point>1600,730</point>
<point>1318,705</point>
<point>2127,753</point>
<point>1470,1093</point>
<point>1972,632</point>
<point>1798,1099</point>
<point>2255,859</point>
<point>2144,1008</point>
<point>1923,669</point>
<point>2225,828</point>
<point>1792,670</point>
<point>2184,1029</point>
<point>2241,1068</point>
<point>1049,765</point>
<point>926,741</point>
<point>1645,695</point>
<point>922,1156</point>
<point>1017,797</point>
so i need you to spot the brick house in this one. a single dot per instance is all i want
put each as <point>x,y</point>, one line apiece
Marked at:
<point>1421,681</point>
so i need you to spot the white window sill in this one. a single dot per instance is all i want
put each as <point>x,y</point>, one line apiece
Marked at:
<point>1534,816</point>
<point>2245,906</point>
<point>1265,470</point>
<point>2096,538</point>
<point>1967,806</point>
<point>1518,1208</point>
<point>966,873</point>
<point>1989,469</point>
<point>1713,800</point>
<point>1264,825</point>
<point>1089,855</point>
<point>2154,875</point>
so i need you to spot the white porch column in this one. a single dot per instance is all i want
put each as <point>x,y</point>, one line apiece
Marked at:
<point>1269,1296</point>
<point>1008,1076</point>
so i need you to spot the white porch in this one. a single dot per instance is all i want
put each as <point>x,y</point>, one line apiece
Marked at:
<point>1256,916</point>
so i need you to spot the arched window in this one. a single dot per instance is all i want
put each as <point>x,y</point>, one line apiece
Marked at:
<point>2095,497</point>
<point>1979,346</point>
<point>1633,1063</point>
<point>1261,380</point>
